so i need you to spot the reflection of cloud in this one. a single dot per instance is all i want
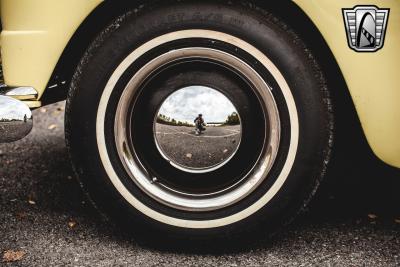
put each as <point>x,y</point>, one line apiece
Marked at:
<point>12,109</point>
<point>187,103</point>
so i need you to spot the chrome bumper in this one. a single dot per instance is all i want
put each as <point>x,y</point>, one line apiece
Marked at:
<point>16,119</point>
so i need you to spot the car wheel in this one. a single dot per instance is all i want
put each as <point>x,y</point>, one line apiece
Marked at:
<point>147,171</point>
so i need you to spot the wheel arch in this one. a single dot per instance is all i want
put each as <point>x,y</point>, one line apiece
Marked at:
<point>108,10</point>
<point>291,13</point>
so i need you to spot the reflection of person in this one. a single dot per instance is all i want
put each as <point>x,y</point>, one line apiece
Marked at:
<point>199,122</point>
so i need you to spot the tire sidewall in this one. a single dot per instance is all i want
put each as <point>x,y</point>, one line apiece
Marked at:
<point>263,31</point>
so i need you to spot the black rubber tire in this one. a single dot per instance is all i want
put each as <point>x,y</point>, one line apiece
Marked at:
<point>261,29</point>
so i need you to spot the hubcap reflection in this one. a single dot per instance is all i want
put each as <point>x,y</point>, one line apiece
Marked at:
<point>197,129</point>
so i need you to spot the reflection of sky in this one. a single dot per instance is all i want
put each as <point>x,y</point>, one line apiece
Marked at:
<point>187,103</point>
<point>12,109</point>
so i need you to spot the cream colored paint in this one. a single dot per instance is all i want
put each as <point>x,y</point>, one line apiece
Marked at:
<point>37,31</point>
<point>372,78</point>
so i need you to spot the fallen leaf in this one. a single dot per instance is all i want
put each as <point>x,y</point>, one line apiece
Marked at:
<point>21,215</point>
<point>56,113</point>
<point>189,156</point>
<point>71,224</point>
<point>12,256</point>
<point>372,216</point>
<point>52,127</point>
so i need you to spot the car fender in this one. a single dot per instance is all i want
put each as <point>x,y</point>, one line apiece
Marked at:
<point>36,32</point>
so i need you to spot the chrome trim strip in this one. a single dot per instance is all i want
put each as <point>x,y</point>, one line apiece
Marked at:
<point>21,93</point>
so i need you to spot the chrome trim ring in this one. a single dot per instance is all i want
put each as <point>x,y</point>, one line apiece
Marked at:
<point>182,200</point>
<point>137,170</point>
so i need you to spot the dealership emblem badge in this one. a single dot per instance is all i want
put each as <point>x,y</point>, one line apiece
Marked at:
<point>366,27</point>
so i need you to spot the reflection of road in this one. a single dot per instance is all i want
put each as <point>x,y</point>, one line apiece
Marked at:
<point>14,129</point>
<point>183,146</point>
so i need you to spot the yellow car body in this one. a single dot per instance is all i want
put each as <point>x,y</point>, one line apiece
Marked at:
<point>36,32</point>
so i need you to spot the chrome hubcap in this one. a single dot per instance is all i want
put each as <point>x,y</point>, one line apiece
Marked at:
<point>197,129</point>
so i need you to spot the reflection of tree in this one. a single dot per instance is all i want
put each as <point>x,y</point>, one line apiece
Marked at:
<point>162,119</point>
<point>7,120</point>
<point>1,73</point>
<point>233,119</point>
<point>14,120</point>
<point>25,119</point>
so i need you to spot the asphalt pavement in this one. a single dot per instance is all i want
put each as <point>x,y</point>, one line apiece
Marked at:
<point>46,221</point>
